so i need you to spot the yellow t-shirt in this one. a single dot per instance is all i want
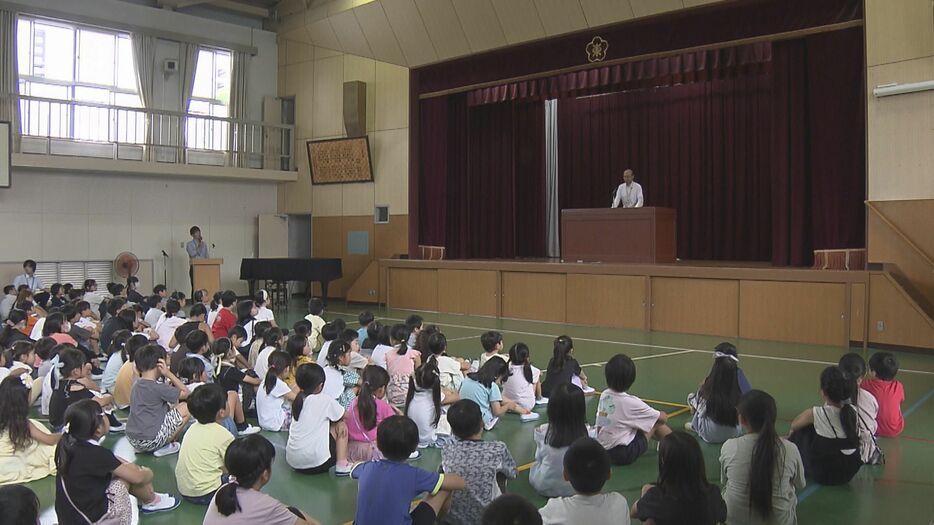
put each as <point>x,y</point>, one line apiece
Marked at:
<point>123,384</point>
<point>302,360</point>
<point>201,459</point>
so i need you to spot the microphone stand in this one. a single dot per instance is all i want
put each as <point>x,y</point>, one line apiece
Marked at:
<point>165,270</point>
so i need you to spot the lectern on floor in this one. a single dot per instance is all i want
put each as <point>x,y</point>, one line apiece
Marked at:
<point>630,235</point>
<point>207,274</point>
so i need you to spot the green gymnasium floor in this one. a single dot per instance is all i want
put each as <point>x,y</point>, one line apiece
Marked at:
<point>669,366</point>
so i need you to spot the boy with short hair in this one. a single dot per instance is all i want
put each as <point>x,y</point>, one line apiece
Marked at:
<point>315,311</point>
<point>226,318</point>
<point>157,415</point>
<point>413,324</point>
<point>888,391</point>
<point>329,332</point>
<point>388,486</point>
<point>365,318</point>
<point>625,422</point>
<point>200,466</point>
<point>587,468</point>
<point>481,463</point>
<point>492,343</point>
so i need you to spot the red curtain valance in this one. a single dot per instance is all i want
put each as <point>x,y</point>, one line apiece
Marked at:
<point>698,66</point>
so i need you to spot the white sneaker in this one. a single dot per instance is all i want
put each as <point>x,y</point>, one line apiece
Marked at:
<point>689,426</point>
<point>415,455</point>
<point>117,428</point>
<point>531,416</point>
<point>491,424</point>
<point>250,429</point>
<point>343,470</point>
<point>542,401</point>
<point>163,502</point>
<point>168,450</point>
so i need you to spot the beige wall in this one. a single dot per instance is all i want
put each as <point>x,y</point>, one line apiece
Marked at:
<point>900,48</point>
<point>79,217</point>
<point>315,77</point>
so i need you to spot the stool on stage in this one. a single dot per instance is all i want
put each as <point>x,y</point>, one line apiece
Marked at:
<point>840,259</point>
<point>431,253</point>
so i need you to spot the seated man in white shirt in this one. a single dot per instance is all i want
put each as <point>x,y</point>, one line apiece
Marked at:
<point>29,277</point>
<point>629,193</point>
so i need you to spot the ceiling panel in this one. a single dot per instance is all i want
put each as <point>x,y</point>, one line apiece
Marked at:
<point>410,31</point>
<point>480,23</point>
<point>379,34</point>
<point>519,20</point>
<point>561,16</point>
<point>653,7</point>
<point>603,12</point>
<point>349,34</point>
<point>443,27</point>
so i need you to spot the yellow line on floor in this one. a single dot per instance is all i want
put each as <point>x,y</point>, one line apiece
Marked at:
<point>679,412</point>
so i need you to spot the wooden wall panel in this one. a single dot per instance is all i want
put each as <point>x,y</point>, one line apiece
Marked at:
<point>797,312</point>
<point>539,296</point>
<point>858,312</point>
<point>913,218</point>
<point>902,323</point>
<point>606,300</point>
<point>695,306</point>
<point>392,238</point>
<point>411,289</point>
<point>470,292</point>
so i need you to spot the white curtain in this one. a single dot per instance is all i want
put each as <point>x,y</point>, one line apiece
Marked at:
<point>237,108</point>
<point>187,63</point>
<point>552,213</point>
<point>144,55</point>
<point>9,76</point>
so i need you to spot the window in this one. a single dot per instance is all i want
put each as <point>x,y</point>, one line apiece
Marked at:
<point>75,272</point>
<point>210,97</point>
<point>89,67</point>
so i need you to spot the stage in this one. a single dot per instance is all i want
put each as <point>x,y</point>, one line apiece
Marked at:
<point>746,300</point>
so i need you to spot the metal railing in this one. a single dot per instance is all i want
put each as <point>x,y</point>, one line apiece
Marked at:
<point>74,128</point>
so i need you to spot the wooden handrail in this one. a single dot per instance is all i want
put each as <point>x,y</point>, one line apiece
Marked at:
<point>901,234</point>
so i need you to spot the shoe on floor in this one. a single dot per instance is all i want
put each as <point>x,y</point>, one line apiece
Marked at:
<point>415,455</point>
<point>689,427</point>
<point>531,416</point>
<point>117,428</point>
<point>542,401</point>
<point>343,470</point>
<point>250,429</point>
<point>168,450</point>
<point>491,424</point>
<point>163,503</point>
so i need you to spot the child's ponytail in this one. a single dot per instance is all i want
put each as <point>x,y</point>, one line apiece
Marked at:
<point>246,459</point>
<point>309,378</point>
<point>278,363</point>
<point>374,378</point>
<point>519,355</point>
<point>426,377</point>
<point>82,419</point>
<point>759,411</point>
<point>839,389</point>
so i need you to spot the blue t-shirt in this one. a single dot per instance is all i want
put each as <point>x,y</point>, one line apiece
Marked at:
<point>361,335</point>
<point>481,395</point>
<point>386,490</point>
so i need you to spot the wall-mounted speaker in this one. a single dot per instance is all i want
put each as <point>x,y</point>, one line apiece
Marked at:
<point>355,108</point>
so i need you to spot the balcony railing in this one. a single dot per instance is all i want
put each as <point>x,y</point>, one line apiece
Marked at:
<point>73,128</point>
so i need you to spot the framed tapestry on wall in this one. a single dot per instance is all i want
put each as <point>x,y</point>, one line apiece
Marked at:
<point>339,161</point>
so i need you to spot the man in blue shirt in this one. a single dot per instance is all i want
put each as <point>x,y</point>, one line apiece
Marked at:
<point>197,249</point>
<point>29,277</point>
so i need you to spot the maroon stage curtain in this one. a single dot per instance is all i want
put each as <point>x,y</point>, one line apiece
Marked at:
<point>482,178</point>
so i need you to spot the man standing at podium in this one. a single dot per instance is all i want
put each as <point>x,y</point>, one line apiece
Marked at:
<point>198,249</point>
<point>629,193</point>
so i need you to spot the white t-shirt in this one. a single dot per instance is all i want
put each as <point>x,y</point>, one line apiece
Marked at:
<point>165,329</point>
<point>308,444</point>
<point>264,314</point>
<point>379,355</point>
<point>272,408</point>
<point>333,382</point>
<point>33,282</point>
<point>323,354</point>
<point>212,315</point>
<point>484,357</point>
<point>519,389</point>
<point>867,408</point>
<point>450,371</point>
<point>610,509</point>
<point>735,469</point>
<point>262,361</point>
<point>422,412</point>
<point>620,415</point>
<point>153,316</point>
<point>36,333</point>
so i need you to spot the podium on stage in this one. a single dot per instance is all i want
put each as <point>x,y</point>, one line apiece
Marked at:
<point>629,235</point>
<point>206,273</point>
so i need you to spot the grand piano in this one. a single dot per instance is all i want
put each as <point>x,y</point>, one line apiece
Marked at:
<point>308,270</point>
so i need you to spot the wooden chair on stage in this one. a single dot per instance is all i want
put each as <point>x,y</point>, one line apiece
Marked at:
<point>431,253</point>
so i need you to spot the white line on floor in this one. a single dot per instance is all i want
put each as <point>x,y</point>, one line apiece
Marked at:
<point>641,357</point>
<point>677,349</point>
<point>464,338</point>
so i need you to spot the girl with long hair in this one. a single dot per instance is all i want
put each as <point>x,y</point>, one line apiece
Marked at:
<point>714,404</point>
<point>483,388</point>
<point>563,368</point>
<point>401,364</point>
<point>424,401</point>
<point>366,412</point>
<point>524,383</point>
<point>759,471</point>
<point>274,397</point>
<point>343,383</point>
<point>318,434</point>
<point>567,422</point>
<point>26,447</point>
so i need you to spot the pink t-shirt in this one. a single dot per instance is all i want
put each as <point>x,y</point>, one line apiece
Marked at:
<point>64,339</point>
<point>620,415</point>
<point>890,395</point>
<point>401,365</point>
<point>355,431</point>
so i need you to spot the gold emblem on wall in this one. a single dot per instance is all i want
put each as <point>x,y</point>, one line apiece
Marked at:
<point>596,49</point>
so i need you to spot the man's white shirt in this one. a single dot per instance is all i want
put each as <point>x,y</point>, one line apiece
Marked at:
<point>628,196</point>
<point>34,282</point>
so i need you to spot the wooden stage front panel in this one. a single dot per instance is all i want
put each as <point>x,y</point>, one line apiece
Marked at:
<point>779,304</point>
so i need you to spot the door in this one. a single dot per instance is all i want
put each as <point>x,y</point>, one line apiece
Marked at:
<point>273,235</point>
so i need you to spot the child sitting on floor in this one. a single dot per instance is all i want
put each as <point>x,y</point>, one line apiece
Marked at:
<point>625,422</point>
<point>318,436</point>
<point>315,311</point>
<point>563,368</point>
<point>492,343</point>
<point>867,409</point>
<point>365,318</point>
<point>482,464</point>
<point>158,413</point>
<point>231,379</point>
<point>401,364</point>
<point>483,388</point>
<point>75,385</point>
<point>365,413</point>
<point>587,468</point>
<point>274,397</point>
<point>127,375</point>
<point>567,422</point>
<point>888,391</point>
<point>300,351</point>
<point>26,447</point>
<point>523,384</point>
<point>452,370</point>
<point>714,403</point>
<point>343,382</point>
<point>200,467</point>
<point>387,487</point>
<point>423,404</point>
